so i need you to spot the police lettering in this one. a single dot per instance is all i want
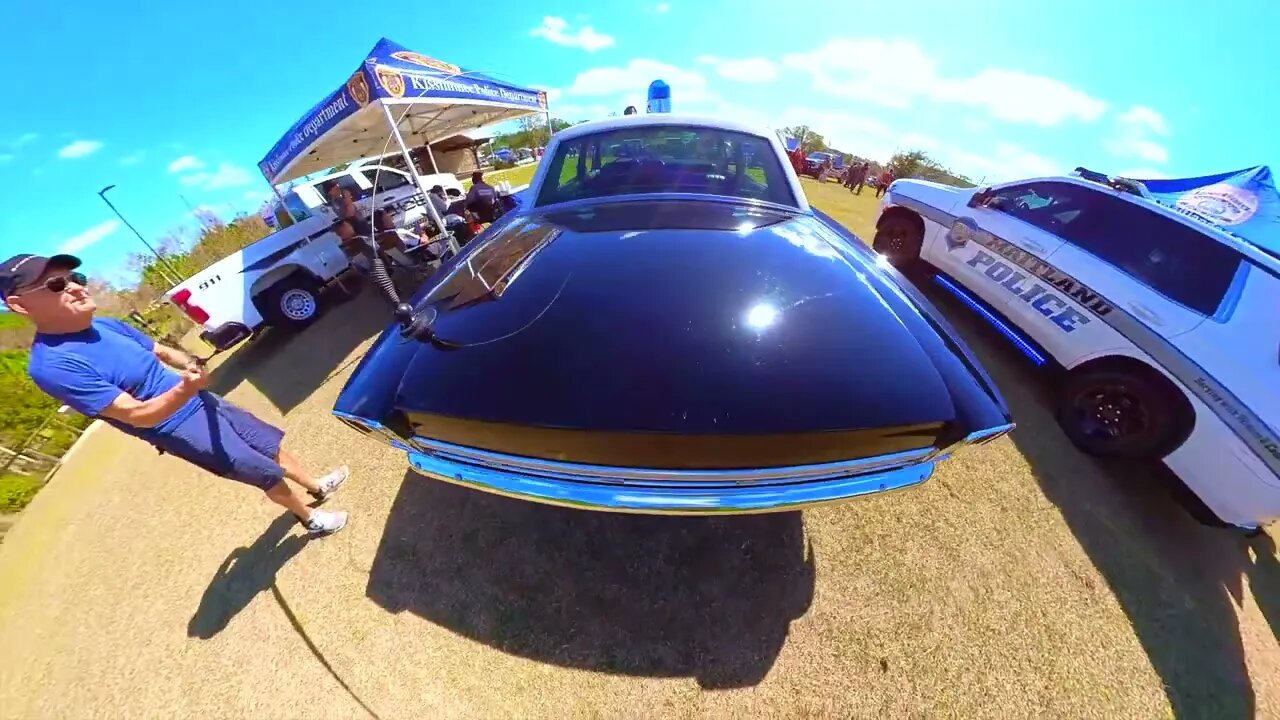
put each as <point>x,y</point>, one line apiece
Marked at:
<point>1029,291</point>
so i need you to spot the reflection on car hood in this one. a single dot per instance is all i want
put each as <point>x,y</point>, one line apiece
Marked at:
<point>696,318</point>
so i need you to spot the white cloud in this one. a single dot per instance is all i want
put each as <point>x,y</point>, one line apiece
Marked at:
<point>855,69</point>
<point>744,70</point>
<point>226,176</point>
<point>25,138</point>
<point>632,80</point>
<point>186,162</point>
<point>1019,97</point>
<point>1144,117</point>
<point>1008,161</point>
<point>6,157</point>
<point>89,237</point>
<point>79,149</point>
<point>663,7</point>
<point>133,159</point>
<point>556,30</point>
<point>1135,129</point>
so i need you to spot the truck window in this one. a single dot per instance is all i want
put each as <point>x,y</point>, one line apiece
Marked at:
<point>298,210</point>
<point>1176,260</point>
<point>347,182</point>
<point>384,180</point>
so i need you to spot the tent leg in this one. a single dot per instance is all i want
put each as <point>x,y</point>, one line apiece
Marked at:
<point>422,186</point>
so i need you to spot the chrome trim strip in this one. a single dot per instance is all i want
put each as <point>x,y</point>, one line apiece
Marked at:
<point>576,472</point>
<point>979,436</point>
<point>689,500</point>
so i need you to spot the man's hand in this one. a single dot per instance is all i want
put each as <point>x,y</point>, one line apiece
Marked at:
<point>174,358</point>
<point>194,377</point>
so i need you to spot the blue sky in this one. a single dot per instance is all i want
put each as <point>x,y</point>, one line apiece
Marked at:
<point>176,100</point>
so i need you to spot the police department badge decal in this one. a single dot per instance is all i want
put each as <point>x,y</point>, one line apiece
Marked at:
<point>961,232</point>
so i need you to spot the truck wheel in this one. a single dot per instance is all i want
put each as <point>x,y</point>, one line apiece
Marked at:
<point>899,240</point>
<point>294,302</point>
<point>1120,413</point>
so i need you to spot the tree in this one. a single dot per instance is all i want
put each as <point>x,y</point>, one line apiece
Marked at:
<point>918,164</point>
<point>809,140</point>
<point>532,132</point>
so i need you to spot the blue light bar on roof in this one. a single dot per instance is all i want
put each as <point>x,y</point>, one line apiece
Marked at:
<point>659,97</point>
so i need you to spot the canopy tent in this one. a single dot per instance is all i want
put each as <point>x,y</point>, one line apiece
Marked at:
<point>396,96</point>
<point>1245,203</point>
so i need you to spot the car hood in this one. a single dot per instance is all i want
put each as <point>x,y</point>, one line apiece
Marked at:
<point>670,333</point>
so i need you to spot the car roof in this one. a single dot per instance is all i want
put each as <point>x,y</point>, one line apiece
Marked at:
<point>626,121</point>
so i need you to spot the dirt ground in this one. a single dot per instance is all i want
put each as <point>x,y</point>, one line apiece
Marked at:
<point>1023,580</point>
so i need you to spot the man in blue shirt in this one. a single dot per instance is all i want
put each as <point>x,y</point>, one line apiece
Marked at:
<point>106,369</point>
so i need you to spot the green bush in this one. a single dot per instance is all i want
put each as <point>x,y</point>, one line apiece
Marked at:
<point>16,491</point>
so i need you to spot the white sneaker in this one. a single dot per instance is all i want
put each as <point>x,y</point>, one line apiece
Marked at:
<point>324,522</point>
<point>330,483</point>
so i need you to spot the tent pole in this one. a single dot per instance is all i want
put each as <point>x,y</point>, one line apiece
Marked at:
<point>422,186</point>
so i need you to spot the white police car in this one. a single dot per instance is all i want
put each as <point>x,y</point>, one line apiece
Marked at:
<point>1168,327</point>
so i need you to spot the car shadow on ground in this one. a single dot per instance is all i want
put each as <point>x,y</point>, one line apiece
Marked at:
<point>287,367</point>
<point>710,598</point>
<point>1176,579</point>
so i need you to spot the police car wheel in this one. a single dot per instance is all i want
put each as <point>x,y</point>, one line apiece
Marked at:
<point>1117,414</point>
<point>898,240</point>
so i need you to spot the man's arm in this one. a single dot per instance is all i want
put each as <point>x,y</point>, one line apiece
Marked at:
<point>149,413</point>
<point>174,358</point>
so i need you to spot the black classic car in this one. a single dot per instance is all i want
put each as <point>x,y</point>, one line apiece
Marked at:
<point>671,329</point>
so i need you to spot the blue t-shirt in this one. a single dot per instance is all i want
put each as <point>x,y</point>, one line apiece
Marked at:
<point>87,370</point>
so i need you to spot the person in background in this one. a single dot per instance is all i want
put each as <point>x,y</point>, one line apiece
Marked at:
<point>481,196</point>
<point>107,369</point>
<point>344,207</point>
<point>886,177</point>
<point>858,177</point>
<point>437,199</point>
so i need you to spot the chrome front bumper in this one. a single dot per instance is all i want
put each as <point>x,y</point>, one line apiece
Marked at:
<point>669,492</point>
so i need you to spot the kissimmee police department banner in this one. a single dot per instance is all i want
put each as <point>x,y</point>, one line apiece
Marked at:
<point>1243,202</point>
<point>391,72</point>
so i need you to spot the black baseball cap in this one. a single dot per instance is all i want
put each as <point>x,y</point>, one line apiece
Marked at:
<point>23,270</point>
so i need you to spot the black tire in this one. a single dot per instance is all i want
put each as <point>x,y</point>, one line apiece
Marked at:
<point>293,302</point>
<point>1120,413</point>
<point>898,239</point>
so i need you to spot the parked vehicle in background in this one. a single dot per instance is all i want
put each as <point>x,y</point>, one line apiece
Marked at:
<point>1162,323</point>
<point>815,164</point>
<point>278,280</point>
<point>541,364</point>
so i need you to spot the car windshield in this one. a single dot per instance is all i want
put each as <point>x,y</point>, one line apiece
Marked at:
<point>666,159</point>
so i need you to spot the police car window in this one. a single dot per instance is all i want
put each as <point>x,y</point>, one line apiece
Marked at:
<point>666,159</point>
<point>1176,260</point>
<point>1048,205</point>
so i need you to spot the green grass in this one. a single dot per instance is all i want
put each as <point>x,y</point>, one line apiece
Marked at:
<point>16,491</point>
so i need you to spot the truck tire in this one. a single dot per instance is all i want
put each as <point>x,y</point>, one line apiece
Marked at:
<point>1123,412</point>
<point>293,302</point>
<point>899,240</point>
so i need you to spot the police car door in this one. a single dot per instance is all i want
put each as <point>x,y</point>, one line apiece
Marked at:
<point>1161,270</point>
<point>988,246</point>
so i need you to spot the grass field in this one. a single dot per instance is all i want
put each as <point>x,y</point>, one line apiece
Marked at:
<point>1024,580</point>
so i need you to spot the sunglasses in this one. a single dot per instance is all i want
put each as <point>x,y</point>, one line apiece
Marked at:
<point>58,283</point>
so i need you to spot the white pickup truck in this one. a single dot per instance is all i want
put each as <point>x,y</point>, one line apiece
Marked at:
<point>277,280</point>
